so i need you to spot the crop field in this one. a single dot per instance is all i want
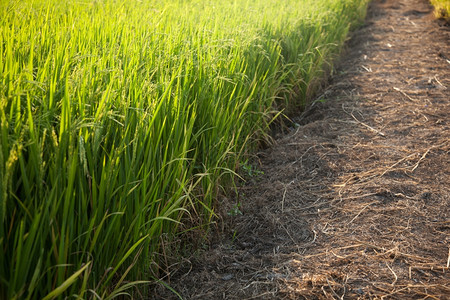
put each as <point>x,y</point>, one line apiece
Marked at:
<point>121,120</point>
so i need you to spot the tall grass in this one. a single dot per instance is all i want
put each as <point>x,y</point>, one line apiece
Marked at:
<point>121,118</point>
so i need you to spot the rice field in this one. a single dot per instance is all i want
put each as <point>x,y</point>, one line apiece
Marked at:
<point>121,120</point>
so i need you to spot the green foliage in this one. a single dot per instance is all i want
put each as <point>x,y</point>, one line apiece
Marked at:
<point>119,118</point>
<point>250,170</point>
<point>235,210</point>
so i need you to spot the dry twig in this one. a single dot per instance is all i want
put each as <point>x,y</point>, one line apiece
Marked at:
<point>404,94</point>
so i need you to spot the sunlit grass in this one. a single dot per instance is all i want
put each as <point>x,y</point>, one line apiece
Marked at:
<point>442,9</point>
<point>119,118</point>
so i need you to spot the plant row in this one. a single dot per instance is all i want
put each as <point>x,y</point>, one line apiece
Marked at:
<point>121,120</point>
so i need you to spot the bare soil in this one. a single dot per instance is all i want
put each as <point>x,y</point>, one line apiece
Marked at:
<point>354,203</point>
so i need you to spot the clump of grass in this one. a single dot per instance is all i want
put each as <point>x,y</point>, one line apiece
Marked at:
<point>119,118</point>
<point>441,9</point>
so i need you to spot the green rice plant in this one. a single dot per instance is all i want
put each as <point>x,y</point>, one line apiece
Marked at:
<point>121,119</point>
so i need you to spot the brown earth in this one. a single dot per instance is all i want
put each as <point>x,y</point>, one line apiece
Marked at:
<point>355,202</point>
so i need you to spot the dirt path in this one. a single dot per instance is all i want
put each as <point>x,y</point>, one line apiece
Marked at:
<point>355,203</point>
